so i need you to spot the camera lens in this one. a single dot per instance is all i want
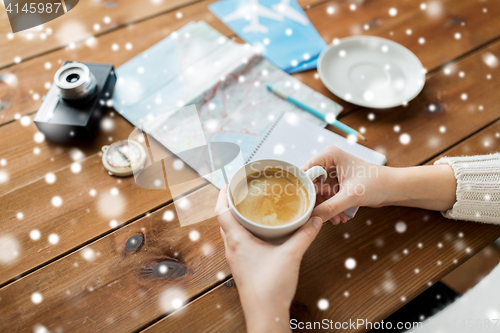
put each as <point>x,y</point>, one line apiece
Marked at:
<point>75,82</point>
<point>72,78</point>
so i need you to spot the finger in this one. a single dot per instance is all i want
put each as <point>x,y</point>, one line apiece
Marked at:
<point>333,206</point>
<point>303,237</point>
<point>344,217</point>
<point>335,220</point>
<point>323,189</point>
<point>222,234</point>
<point>222,203</point>
<point>326,158</point>
<point>228,223</point>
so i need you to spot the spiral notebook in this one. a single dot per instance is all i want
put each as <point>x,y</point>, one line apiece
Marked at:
<point>294,140</point>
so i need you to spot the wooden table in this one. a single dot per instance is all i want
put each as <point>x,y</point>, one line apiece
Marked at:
<point>80,265</point>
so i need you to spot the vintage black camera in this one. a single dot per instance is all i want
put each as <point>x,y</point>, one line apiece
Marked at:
<point>74,105</point>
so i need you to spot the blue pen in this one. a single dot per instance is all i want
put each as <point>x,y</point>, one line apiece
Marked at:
<point>333,121</point>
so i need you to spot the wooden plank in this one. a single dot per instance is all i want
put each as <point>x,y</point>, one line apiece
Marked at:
<point>384,280</point>
<point>82,23</point>
<point>219,311</point>
<point>469,274</point>
<point>93,203</point>
<point>449,109</point>
<point>32,75</point>
<point>135,289</point>
<point>391,276</point>
<point>87,19</point>
<point>55,283</point>
<point>440,45</point>
<point>459,125</point>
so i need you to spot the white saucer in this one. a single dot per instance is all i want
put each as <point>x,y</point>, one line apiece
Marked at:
<point>371,71</point>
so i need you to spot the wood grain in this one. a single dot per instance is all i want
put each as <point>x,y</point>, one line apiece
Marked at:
<point>128,280</point>
<point>106,287</point>
<point>435,246</point>
<point>459,119</point>
<point>93,203</point>
<point>32,75</point>
<point>362,241</point>
<point>449,109</point>
<point>24,93</point>
<point>438,31</point>
<point>79,24</point>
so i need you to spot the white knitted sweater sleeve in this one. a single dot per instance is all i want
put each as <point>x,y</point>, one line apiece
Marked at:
<point>478,188</point>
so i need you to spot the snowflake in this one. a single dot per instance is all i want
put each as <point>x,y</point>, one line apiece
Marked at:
<point>88,254</point>
<point>25,120</point>
<point>393,11</point>
<point>194,235</point>
<point>56,201</point>
<point>53,239</point>
<point>40,329</point>
<point>35,234</point>
<point>279,149</point>
<point>350,263</point>
<point>39,137</point>
<point>172,299</point>
<point>490,59</point>
<point>76,167</point>
<point>36,298</point>
<point>183,203</point>
<point>323,304</point>
<point>9,249</point>
<point>178,164</point>
<point>457,35</point>
<point>404,138</point>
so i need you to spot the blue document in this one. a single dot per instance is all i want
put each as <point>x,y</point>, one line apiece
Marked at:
<point>279,29</point>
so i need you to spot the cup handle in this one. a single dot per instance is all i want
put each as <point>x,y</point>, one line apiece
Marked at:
<point>317,172</point>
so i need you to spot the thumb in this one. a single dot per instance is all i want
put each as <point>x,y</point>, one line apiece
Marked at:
<point>333,206</point>
<point>303,237</point>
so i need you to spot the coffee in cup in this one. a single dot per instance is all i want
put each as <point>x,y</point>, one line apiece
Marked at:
<point>271,197</point>
<point>272,216</point>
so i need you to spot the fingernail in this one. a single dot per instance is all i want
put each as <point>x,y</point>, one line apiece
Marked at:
<point>317,222</point>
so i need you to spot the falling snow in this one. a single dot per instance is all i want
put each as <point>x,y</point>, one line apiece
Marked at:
<point>35,234</point>
<point>323,304</point>
<point>53,239</point>
<point>350,263</point>
<point>194,235</point>
<point>404,138</point>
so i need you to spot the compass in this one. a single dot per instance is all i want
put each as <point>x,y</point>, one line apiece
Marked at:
<point>123,157</point>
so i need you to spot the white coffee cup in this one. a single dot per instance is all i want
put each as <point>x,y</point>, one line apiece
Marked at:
<point>278,233</point>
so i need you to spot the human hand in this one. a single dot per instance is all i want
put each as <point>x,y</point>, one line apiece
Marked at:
<point>353,182</point>
<point>266,275</point>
